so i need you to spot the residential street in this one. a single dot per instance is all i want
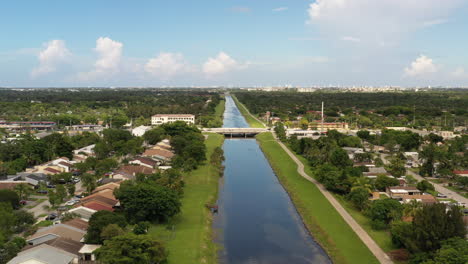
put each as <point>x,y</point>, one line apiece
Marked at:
<point>438,187</point>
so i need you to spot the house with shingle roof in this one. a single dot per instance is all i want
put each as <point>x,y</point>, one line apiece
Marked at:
<point>44,254</point>
<point>130,171</point>
<point>51,232</point>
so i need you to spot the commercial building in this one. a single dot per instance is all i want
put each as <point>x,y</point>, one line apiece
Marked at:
<point>27,125</point>
<point>170,118</point>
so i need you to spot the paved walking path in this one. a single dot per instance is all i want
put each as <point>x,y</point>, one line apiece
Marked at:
<point>362,234</point>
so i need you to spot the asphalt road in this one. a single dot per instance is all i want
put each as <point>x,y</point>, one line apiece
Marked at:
<point>438,187</point>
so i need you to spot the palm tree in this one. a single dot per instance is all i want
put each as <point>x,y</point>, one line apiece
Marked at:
<point>23,190</point>
<point>410,209</point>
<point>362,182</point>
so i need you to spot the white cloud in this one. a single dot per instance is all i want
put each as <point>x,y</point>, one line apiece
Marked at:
<point>109,56</point>
<point>352,39</point>
<point>280,9</point>
<point>434,22</point>
<point>421,66</point>
<point>376,21</point>
<point>110,53</point>
<point>166,65</point>
<point>54,53</point>
<point>221,64</point>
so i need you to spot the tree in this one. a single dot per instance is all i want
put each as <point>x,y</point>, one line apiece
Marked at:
<point>23,190</point>
<point>23,219</point>
<point>363,134</point>
<point>99,221</point>
<point>131,248</point>
<point>453,251</point>
<point>154,135</point>
<point>141,228</point>
<point>425,186</point>
<point>11,248</point>
<point>339,158</point>
<point>61,193</point>
<point>89,182</point>
<point>110,231</point>
<point>9,196</point>
<point>385,210</point>
<point>359,197</point>
<point>433,224</point>
<point>280,131</point>
<point>383,181</point>
<point>53,198</point>
<point>59,145</point>
<point>7,221</point>
<point>362,183</point>
<point>397,167</point>
<point>71,188</point>
<point>142,201</point>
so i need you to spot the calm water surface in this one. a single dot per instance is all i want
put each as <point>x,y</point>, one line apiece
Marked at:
<point>257,223</point>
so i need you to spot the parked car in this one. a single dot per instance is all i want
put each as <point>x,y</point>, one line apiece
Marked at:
<point>42,191</point>
<point>79,196</point>
<point>23,202</point>
<point>72,202</point>
<point>62,208</point>
<point>440,195</point>
<point>51,216</point>
<point>75,180</point>
<point>50,186</point>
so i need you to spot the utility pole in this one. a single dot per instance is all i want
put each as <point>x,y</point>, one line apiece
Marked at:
<point>322,118</point>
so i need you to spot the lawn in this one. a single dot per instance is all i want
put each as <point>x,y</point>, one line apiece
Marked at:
<point>247,115</point>
<point>219,110</point>
<point>188,238</point>
<point>324,222</point>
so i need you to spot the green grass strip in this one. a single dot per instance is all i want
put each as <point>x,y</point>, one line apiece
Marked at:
<point>188,238</point>
<point>247,115</point>
<point>319,216</point>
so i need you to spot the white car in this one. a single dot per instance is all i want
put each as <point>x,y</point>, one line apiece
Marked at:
<point>72,202</point>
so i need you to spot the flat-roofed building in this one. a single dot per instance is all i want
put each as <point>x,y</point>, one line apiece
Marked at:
<point>398,192</point>
<point>170,118</point>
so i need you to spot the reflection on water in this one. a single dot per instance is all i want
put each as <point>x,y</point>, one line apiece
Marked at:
<point>257,222</point>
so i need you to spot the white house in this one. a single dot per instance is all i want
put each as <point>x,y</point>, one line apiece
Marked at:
<point>169,118</point>
<point>88,150</point>
<point>140,131</point>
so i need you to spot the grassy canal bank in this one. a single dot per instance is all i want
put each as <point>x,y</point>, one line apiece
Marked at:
<point>319,216</point>
<point>247,115</point>
<point>188,238</point>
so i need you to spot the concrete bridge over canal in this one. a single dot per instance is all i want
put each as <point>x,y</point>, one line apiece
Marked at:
<point>236,131</point>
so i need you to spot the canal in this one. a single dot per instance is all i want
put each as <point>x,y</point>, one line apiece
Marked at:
<point>257,222</point>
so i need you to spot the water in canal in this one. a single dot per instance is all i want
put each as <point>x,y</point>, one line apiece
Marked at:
<point>257,222</point>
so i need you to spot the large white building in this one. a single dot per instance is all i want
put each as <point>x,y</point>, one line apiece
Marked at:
<point>169,118</point>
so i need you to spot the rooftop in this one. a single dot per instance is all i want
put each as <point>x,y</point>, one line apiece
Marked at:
<point>173,115</point>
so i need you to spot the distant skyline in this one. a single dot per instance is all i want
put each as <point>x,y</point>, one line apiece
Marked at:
<point>234,43</point>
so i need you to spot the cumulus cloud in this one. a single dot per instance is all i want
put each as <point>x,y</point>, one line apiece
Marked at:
<point>166,65</point>
<point>421,66</point>
<point>221,64</point>
<point>109,56</point>
<point>376,21</point>
<point>280,9</point>
<point>54,53</point>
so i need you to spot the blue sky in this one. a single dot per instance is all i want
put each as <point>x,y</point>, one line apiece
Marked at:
<point>241,43</point>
